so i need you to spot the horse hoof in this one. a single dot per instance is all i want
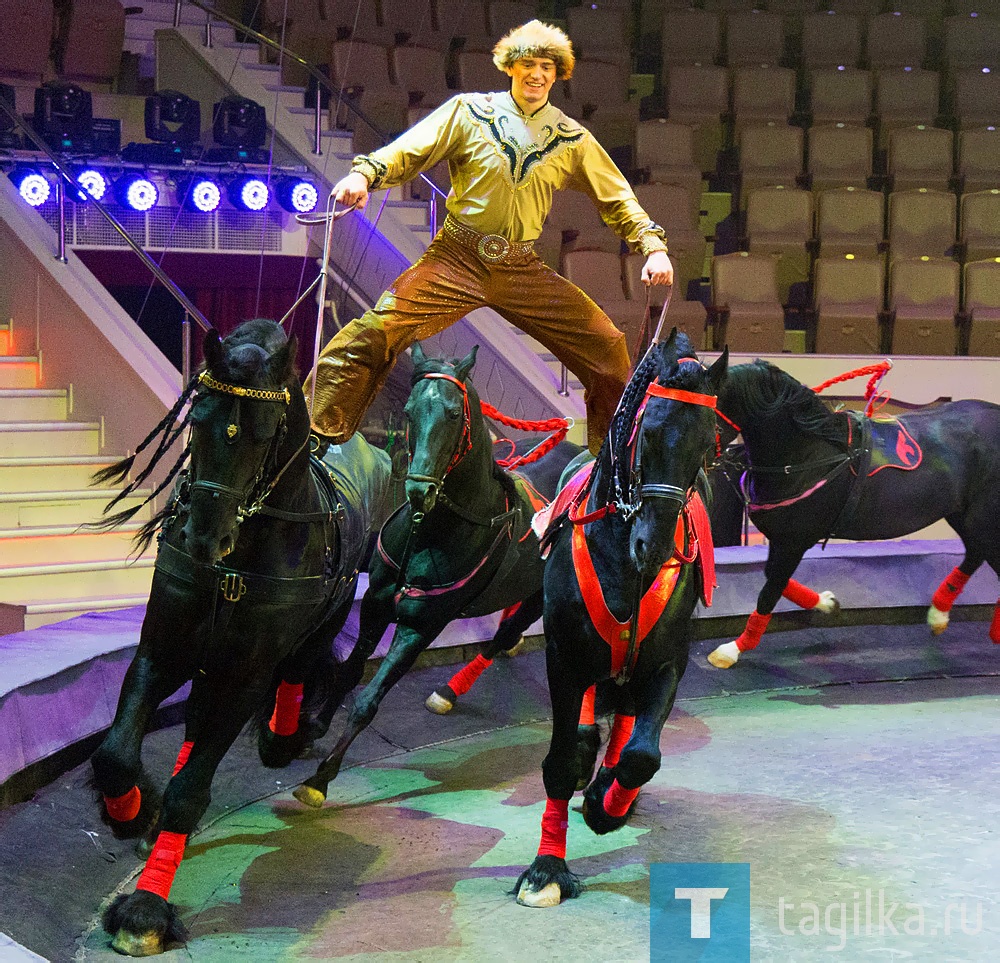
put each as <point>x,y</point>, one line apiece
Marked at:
<point>937,620</point>
<point>725,656</point>
<point>138,944</point>
<point>547,896</point>
<point>514,650</point>
<point>309,796</point>
<point>828,603</point>
<point>438,704</point>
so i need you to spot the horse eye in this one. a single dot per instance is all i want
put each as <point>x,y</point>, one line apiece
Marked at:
<point>453,413</point>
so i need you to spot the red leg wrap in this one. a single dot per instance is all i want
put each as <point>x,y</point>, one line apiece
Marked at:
<point>801,595</point>
<point>509,611</point>
<point>621,732</point>
<point>587,709</point>
<point>618,799</point>
<point>554,822</point>
<point>124,808</point>
<point>287,703</point>
<point>161,867</point>
<point>950,589</point>
<point>756,626</point>
<point>463,680</point>
<point>995,624</point>
<point>182,757</point>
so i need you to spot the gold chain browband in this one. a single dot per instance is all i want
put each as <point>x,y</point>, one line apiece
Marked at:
<point>254,394</point>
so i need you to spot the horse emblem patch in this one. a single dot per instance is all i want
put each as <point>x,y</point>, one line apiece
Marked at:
<point>893,446</point>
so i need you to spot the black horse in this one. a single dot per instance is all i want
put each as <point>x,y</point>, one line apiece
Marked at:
<point>255,575</point>
<point>620,586</point>
<point>816,474</point>
<point>460,546</point>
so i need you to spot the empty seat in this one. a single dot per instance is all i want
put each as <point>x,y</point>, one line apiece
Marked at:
<point>745,303</point>
<point>599,274</point>
<point>762,94</point>
<point>464,21</point>
<point>976,98</point>
<point>25,39</point>
<point>363,70</point>
<point>770,154</point>
<point>849,296</point>
<point>671,207</point>
<point>665,151</point>
<point>780,223</point>
<point>922,222</point>
<point>850,220</point>
<point>921,157</point>
<point>904,97</point>
<point>94,41</point>
<point>687,316</point>
<point>690,36</point>
<point>840,155</point>
<point>979,158</point>
<point>979,229</point>
<point>841,95</point>
<point>923,302</point>
<point>596,83</point>
<point>504,15</point>
<point>982,305</point>
<point>599,33</point>
<point>896,40</point>
<point>830,39</point>
<point>574,216</point>
<point>420,72</point>
<point>971,41</point>
<point>476,72</point>
<point>359,21</point>
<point>698,95</point>
<point>412,21</point>
<point>755,37</point>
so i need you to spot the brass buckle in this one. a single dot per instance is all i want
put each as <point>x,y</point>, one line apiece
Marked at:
<point>232,586</point>
<point>493,248</point>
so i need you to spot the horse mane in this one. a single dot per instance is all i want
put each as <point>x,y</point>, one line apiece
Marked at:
<point>769,393</point>
<point>247,351</point>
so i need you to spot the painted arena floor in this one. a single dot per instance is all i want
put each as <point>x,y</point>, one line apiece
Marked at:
<point>854,768</point>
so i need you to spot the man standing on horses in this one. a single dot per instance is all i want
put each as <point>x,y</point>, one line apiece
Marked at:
<point>506,153</point>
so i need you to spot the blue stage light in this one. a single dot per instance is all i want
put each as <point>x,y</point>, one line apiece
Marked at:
<point>93,182</point>
<point>297,196</point>
<point>31,185</point>
<point>136,191</point>
<point>248,193</point>
<point>200,194</point>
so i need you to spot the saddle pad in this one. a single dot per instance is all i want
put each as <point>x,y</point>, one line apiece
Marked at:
<point>562,502</point>
<point>893,446</point>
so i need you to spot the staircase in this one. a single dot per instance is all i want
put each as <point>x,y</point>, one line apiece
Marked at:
<point>50,568</point>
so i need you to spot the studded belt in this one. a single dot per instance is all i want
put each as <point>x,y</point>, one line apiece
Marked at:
<point>491,248</point>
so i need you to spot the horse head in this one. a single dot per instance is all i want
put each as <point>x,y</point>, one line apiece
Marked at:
<point>671,433</point>
<point>439,425</point>
<point>240,419</point>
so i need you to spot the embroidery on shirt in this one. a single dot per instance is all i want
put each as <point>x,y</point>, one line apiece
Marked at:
<point>522,159</point>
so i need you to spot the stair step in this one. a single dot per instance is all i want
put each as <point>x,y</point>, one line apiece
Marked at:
<point>58,610</point>
<point>263,68</point>
<point>21,584</point>
<point>18,371</point>
<point>413,213</point>
<point>51,437</point>
<point>67,543</point>
<point>41,473</point>
<point>32,509</point>
<point>33,404</point>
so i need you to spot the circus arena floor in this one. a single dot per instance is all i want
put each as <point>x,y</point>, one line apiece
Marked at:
<point>853,767</point>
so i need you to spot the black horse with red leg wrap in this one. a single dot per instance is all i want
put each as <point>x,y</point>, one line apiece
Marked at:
<point>256,571</point>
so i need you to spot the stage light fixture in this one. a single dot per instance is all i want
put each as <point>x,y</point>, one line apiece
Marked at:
<point>199,194</point>
<point>172,118</point>
<point>297,196</point>
<point>136,191</point>
<point>64,115</point>
<point>31,185</point>
<point>239,122</point>
<point>248,193</point>
<point>93,182</point>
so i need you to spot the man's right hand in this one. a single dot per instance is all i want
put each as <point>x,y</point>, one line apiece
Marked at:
<point>352,190</point>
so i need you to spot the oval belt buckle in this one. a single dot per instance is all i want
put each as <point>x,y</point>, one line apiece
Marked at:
<point>493,247</point>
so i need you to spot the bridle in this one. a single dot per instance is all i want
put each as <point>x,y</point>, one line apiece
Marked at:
<point>250,500</point>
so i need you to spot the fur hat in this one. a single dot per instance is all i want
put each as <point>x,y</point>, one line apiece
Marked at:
<point>536,39</point>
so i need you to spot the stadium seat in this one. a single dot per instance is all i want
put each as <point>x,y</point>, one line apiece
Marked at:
<point>754,37</point>
<point>364,69</point>
<point>465,22</point>
<point>921,157</point>
<point>770,154</point>
<point>420,72</point>
<point>690,36</point>
<point>504,15</point>
<point>896,40</point>
<point>94,41</point>
<point>979,229</point>
<point>922,222</point>
<point>923,303</point>
<point>780,223</point>
<point>982,306</point>
<point>665,152</point>
<point>761,95</point>
<point>25,39</point>
<point>850,220</point>
<point>971,41</point>
<point>412,22</point>
<point>905,96</point>
<point>687,316</point>
<point>979,158</point>
<point>849,296</point>
<point>599,33</point>
<point>698,95</point>
<point>830,39</point>
<point>745,303</point>
<point>841,95</point>
<point>976,98</point>
<point>840,155</point>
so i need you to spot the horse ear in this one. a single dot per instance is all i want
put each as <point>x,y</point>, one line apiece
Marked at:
<point>717,373</point>
<point>464,366</point>
<point>417,355</point>
<point>212,347</point>
<point>280,363</point>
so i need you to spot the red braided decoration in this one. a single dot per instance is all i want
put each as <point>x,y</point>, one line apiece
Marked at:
<point>558,426</point>
<point>877,371</point>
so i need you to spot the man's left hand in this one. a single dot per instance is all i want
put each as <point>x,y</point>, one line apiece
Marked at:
<point>658,269</point>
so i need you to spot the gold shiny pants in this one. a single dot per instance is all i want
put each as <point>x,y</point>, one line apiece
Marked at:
<point>444,285</point>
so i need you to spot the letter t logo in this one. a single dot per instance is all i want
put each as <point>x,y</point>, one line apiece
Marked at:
<point>701,908</point>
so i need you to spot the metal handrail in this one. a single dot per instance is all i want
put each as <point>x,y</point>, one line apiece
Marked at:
<point>323,81</point>
<point>66,181</point>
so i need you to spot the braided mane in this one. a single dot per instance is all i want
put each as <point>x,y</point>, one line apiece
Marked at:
<point>762,393</point>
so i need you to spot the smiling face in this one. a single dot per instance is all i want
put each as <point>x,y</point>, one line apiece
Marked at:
<point>531,80</point>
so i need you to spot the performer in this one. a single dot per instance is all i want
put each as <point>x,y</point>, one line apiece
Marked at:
<point>506,153</point>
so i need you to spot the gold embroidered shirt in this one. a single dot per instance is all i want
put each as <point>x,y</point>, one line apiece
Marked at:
<point>505,166</point>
